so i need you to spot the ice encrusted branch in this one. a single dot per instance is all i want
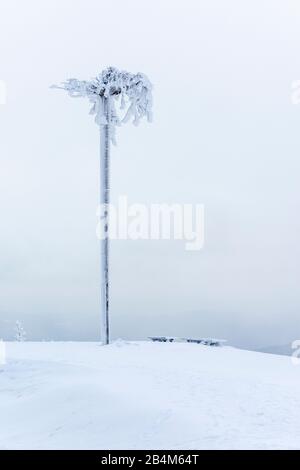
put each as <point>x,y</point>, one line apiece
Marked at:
<point>129,96</point>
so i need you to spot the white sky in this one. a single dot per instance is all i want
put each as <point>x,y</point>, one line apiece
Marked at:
<point>224,134</point>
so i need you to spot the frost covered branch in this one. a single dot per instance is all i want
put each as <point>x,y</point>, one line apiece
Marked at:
<point>126,93</point>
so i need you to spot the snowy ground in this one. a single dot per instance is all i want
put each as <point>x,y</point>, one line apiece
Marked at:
<point>147,396</point>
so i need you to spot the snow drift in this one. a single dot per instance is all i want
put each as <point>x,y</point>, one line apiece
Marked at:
<point>142,395</point>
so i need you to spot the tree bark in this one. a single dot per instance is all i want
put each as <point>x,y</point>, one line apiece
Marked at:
<point>104,204</point>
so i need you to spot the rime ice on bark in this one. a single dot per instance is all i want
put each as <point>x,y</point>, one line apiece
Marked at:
<point>129,95</point>
<point>20,334</point>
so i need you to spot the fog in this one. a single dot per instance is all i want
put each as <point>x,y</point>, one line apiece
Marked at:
<point>225,134</point>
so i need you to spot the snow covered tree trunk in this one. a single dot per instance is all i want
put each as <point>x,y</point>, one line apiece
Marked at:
<point>104,204</point>
<point>117,97</point>
<point>20,334</point>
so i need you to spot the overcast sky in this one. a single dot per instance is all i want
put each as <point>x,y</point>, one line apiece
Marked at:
<point>225,134</point>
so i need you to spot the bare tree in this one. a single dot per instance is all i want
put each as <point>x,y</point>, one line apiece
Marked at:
<point>117,97</point>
